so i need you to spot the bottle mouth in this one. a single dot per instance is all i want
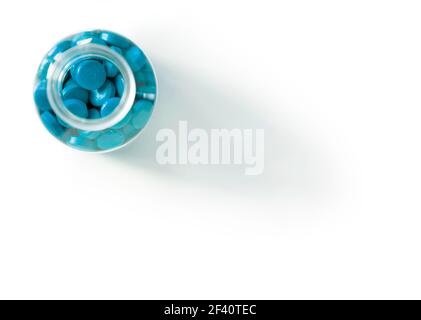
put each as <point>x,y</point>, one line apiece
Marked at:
<point>61,67</point>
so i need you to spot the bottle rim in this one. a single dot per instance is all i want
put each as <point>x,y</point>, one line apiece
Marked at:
<point>58,71</point>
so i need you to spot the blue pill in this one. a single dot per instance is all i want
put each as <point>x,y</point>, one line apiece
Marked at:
<point>73,91</point>
<point>142,111</point>
<point>135,58</point>
<point>40,96</point>
<point>99,96</point>
<point>129,130</point>
<point>87,37</point>
<point>115,40</point>
<point>43,69</point>
<point>96,40</point>
<point>93,114</point>
<point>81,142</point>
<point>119,84</point>
<point>109,106</point>
<point>141,91</point>
<point>150,78</point>
<point>149,74</point>
<point>110,139</point>
<point>69,82</point>
<point>82,36</point>
<point>89,134</point>
<point>110,67</point>
<point>140,77</point>
<point>141,105</point>
<point>123,122</point>
<point>59,48</point>
<point>51,123</point>
<point>89,74</point>
<point>77,107</point>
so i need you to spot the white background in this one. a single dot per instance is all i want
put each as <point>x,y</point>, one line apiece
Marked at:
<point>336,86</point>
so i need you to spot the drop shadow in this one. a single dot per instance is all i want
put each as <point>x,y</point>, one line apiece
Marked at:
<point>293,166</point>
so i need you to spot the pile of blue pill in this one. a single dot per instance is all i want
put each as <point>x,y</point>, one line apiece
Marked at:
<point>92,89</point>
